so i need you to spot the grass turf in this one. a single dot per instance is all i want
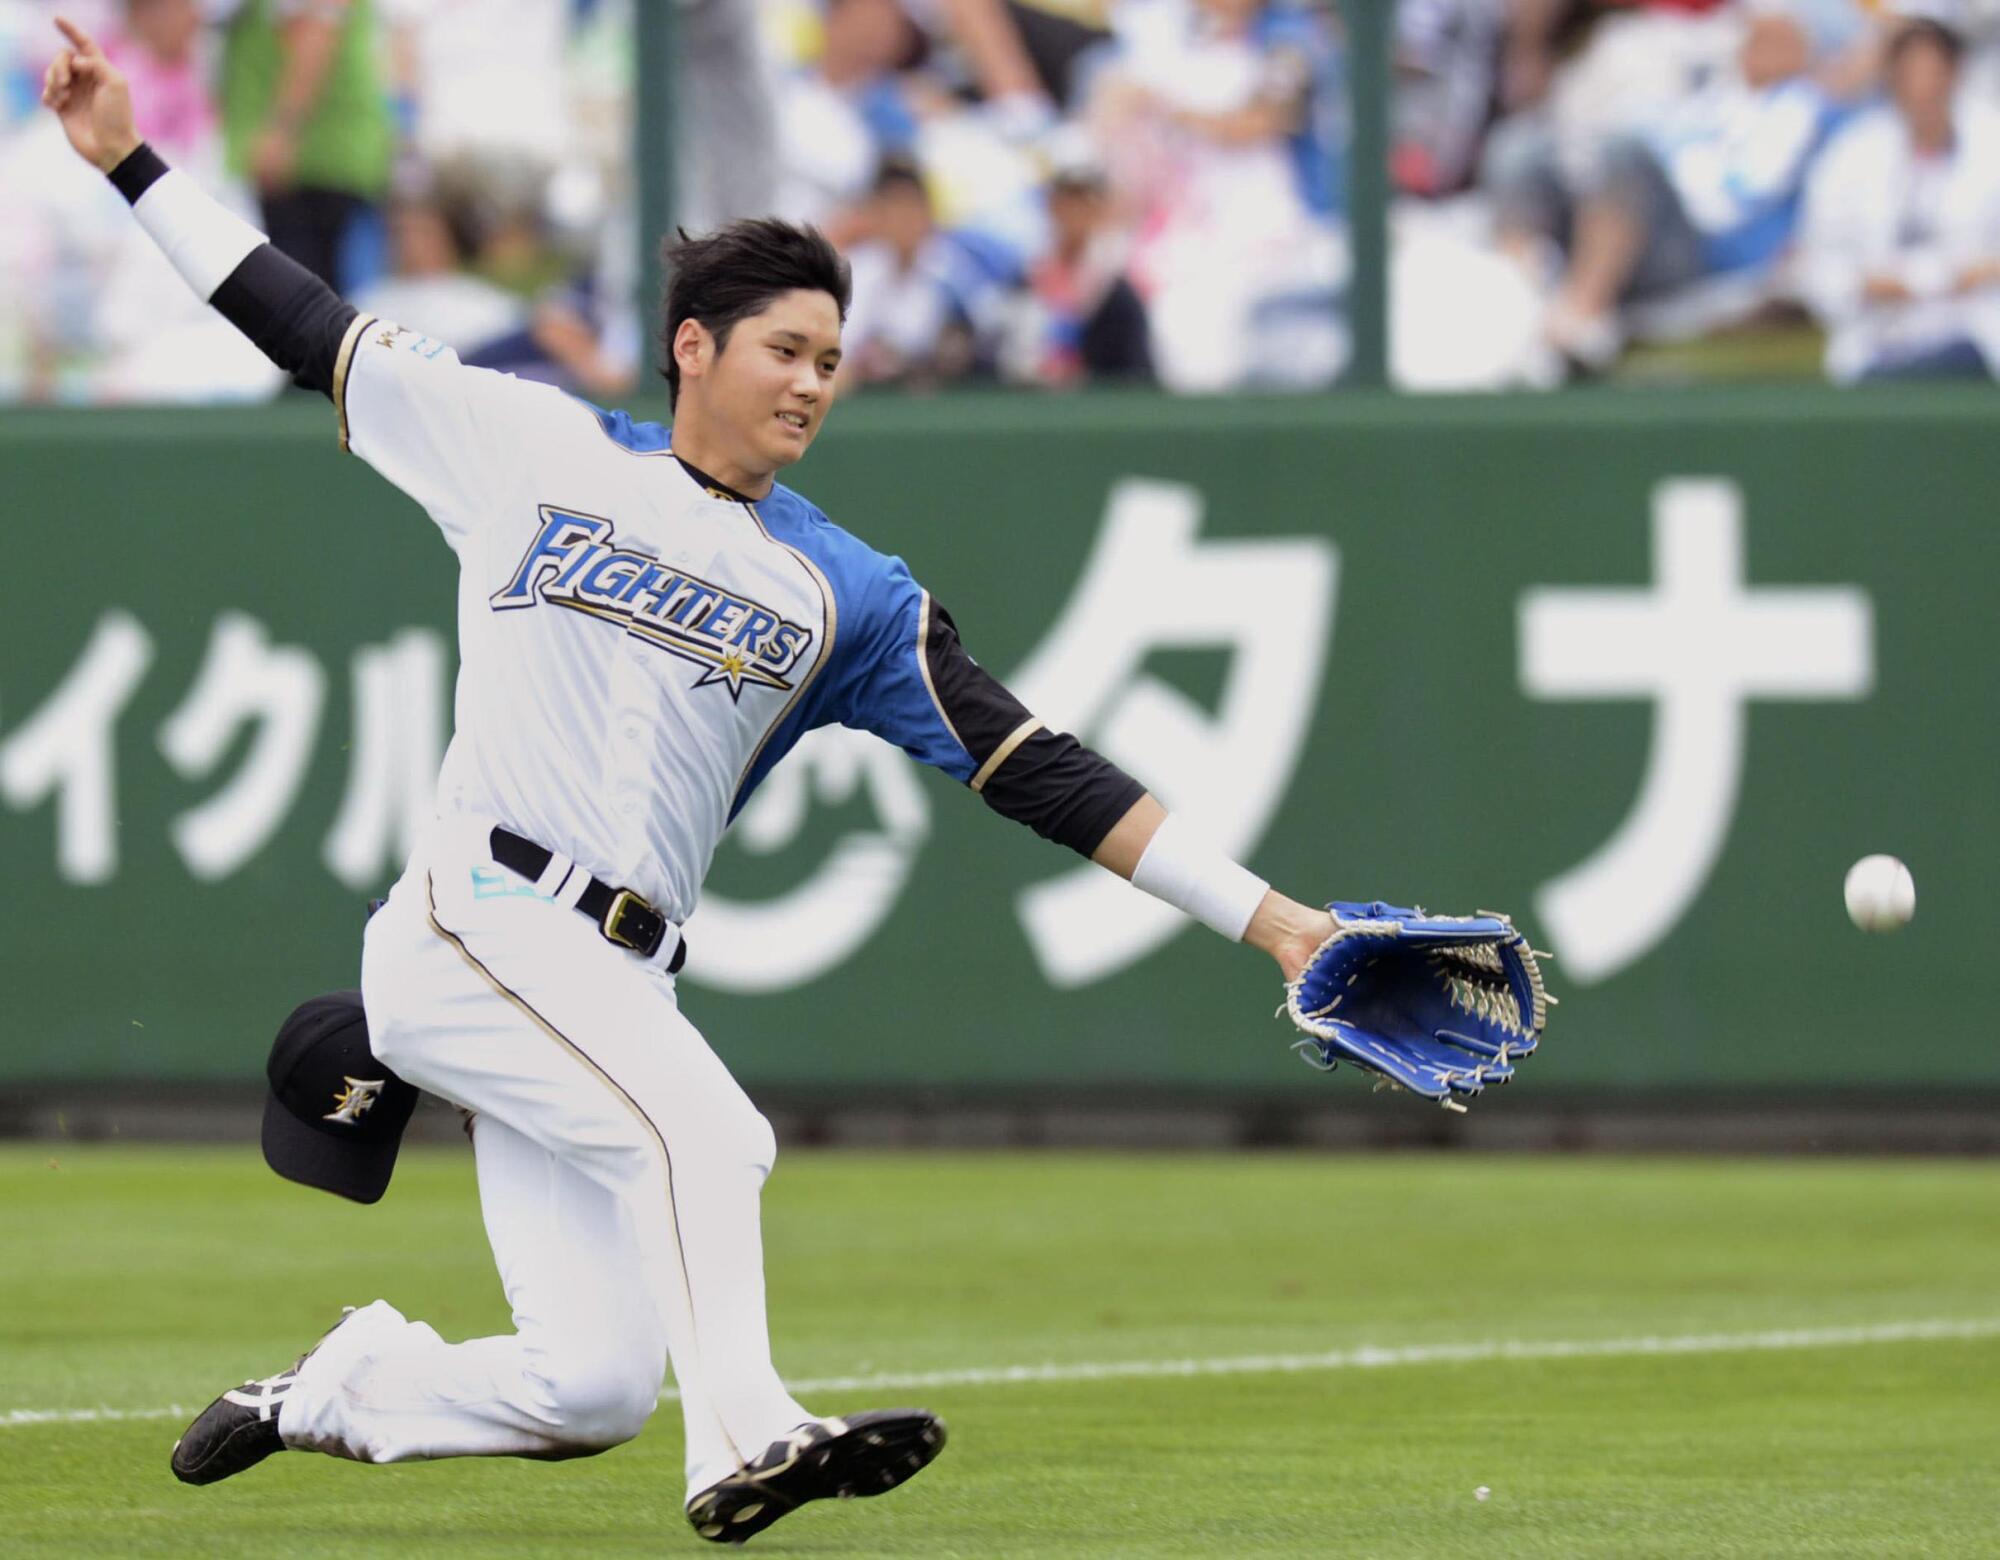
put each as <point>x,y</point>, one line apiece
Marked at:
<point>137,1278</point>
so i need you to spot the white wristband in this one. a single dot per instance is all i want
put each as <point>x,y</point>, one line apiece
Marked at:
<point>1192,875</point>
<point>203,238</point>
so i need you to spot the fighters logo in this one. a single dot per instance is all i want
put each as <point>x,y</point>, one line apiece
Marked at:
<point>571,563</point>
<point>351,1103</point>
<point>422,346</point>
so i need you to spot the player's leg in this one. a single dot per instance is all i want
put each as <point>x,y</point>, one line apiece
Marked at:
<point>580,1372</point>
<point>582,1199</point>
<point>607,1075</point>
<point>519,1010</point>
<point>592,1332</point>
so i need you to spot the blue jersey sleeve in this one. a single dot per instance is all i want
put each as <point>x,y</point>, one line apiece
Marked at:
<point>888,688</point>
<point>897,669</point>
<point>874,678</point>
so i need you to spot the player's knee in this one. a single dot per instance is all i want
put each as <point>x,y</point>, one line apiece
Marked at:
<point>743,1139</point>
<point>742,1133</point>
<point>599,1398</point>
<point>724,1134</point>
<point>730,1134</point>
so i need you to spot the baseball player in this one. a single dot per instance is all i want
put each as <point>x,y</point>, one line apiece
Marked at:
<point>647,624</point>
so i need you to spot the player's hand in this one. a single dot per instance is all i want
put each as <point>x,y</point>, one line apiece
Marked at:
<point>90,97</point>
<point>1289,932</point>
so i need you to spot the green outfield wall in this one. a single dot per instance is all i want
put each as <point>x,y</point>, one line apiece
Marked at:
<point>1647,671</point>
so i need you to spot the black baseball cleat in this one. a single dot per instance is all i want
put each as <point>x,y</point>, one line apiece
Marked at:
<point>863,1454</point>
<point>240,1428</point>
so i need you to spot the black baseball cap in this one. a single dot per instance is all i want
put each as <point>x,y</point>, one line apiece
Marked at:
<point>335,1116</point>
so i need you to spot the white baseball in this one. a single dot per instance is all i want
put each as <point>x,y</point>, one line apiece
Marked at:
<point>1881,894</point>
<point>1481,1493</point>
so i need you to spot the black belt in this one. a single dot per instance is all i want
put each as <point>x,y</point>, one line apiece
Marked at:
<point>621,915</point>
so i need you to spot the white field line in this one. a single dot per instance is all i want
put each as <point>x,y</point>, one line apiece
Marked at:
<point>1491,1351</point>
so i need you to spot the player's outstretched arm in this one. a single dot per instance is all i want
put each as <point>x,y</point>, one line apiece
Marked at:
<point>1441,1005</point>
<point>295,319</point>
<point>950,711</point>
<point>1154,851</point>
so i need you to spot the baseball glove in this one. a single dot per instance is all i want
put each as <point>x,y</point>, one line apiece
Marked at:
<point>1441,1005</point>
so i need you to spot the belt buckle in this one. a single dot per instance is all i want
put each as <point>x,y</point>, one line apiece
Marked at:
<point>612,926</point>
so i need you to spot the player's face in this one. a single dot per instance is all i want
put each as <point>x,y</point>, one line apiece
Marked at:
<point>771,387</point>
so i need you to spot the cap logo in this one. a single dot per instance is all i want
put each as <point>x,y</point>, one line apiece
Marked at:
<point>352,1102</point>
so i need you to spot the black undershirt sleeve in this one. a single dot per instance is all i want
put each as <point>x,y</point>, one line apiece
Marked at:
<point>290,315</point>
<point>1045,779</point>
<point>1062,790</point>
<point>138,173</point>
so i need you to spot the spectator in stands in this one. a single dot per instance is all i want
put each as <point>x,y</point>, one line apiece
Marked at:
<point>1447,64</point>
<point>1715,189</point>
<point>917,294</point>
<point>473,268</point>
<point>1087,321</point>
<point>841,114</point>
<point>434,239</point>
<point>1603,65</point>
<point>88,310</point>
<point>163,60</point>
<point>1205,118</point>
<point>1900,254</point>
<point>480,79</point>
<point>1026,56</point>
<point>306,114</point>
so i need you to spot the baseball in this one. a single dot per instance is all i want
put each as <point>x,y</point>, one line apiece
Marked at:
<point>1481,1493</point>
<point>1881,894</point>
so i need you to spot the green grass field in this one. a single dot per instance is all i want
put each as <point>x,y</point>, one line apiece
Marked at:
<point>138,1279</point>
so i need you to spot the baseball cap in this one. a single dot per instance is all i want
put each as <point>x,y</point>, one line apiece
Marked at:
<point>335,1116</point>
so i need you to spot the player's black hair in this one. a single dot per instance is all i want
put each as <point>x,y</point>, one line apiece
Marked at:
<point>735,272</point>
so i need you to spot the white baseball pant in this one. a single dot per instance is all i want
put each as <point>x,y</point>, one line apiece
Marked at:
<point>620,1168</point>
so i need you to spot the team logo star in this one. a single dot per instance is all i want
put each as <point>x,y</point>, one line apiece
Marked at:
<point>728,672</point>
<point>351,1103</point>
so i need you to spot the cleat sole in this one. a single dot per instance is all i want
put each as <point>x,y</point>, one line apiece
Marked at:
<point>870,1455</point>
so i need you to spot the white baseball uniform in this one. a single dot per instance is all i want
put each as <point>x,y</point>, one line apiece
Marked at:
<point>636,654</point>
<point>638,649</point>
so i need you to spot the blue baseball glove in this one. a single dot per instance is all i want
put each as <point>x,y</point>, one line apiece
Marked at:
<point>1441,1005</point>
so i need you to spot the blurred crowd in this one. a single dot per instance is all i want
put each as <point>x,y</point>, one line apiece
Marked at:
<point>1041,192</point>
<point>1677,167</point>
<point>460,166</point>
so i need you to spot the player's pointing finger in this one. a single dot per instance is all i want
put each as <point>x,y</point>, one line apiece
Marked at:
<point>80,40</point>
